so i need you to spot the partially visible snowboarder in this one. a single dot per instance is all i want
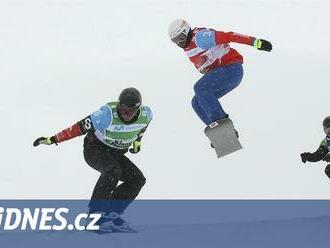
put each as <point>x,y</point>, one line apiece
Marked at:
<point>323,152</point>
<point>111,131</point>
<point>211,54</point>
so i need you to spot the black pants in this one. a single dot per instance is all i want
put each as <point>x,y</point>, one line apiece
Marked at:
<point>114,166</point>
<point>327,170</point>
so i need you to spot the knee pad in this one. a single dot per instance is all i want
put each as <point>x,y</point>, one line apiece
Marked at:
<point>327,170</point>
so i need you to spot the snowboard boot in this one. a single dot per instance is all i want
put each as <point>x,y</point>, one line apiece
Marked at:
<point>114,223</point>
<point>217,123</point>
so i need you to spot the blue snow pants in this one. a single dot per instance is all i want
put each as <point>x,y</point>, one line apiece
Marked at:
<point>212,86</point>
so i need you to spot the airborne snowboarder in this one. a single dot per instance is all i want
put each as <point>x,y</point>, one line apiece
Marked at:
<point>221,65</point>
<point>111,131</point>
<point>323,152</point>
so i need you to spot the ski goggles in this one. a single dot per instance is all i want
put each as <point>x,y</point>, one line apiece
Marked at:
<point>327,130</point>
<point>127,111</point>
<point>180,39</point>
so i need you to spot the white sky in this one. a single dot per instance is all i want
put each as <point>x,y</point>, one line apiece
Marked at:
<point>62,60</point>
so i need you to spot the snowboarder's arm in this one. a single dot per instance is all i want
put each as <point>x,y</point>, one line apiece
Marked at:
<point>316,156</point>
<point>223,37</point>
<point>260,44</point>
<point>150,116</point>
<point>78,129</point>
<point>137,143</point>
<point>208,38</point>
<point>100,119</point>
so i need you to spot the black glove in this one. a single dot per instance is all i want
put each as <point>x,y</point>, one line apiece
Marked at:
<point>136,147</point>
<point>45,141</point>
<point>264,45</point>
<point>305,156</point>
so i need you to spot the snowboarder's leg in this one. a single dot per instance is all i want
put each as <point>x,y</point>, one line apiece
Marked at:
<point>223,137</point>
<point>122,196</point>
<point>133,181</point>
<point>199,111</point>
<point>107,198</point>
<point>104,187</point>
<point>327,170</point>
<point>102,192</point>
<point>101,159</point>
<point>211,87</point>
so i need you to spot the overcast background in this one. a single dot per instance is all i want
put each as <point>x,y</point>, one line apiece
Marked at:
<point>62,60</point>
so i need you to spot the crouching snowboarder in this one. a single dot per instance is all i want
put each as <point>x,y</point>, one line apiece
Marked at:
<point>211,54</point>
<point>111,131</point>
<point>322,153</point>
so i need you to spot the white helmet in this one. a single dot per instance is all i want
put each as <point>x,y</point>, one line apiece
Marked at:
<point>178,31</point>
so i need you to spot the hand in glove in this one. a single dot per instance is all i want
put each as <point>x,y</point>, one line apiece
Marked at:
<point>45,141</point>
<point>264,45</point>
<point>305,156</point>
<point>136,147</point>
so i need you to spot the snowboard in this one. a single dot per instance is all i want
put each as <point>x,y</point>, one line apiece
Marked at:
<point>115,230</point>
<point>223,137</point>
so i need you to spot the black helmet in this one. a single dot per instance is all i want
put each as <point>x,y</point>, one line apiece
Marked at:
<point>326,122</point>
<point>129,103</point>
<point>130,97</point>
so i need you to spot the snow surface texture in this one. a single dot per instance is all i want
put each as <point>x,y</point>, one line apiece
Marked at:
<point>61,60</point>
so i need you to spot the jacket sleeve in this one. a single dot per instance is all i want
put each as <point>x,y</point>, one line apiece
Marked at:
<point>150,116</point>
<point>223,37</point>
<point>208,38</point>
<point>98,120</point>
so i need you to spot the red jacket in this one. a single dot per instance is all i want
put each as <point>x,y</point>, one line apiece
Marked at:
<point>209,49</point>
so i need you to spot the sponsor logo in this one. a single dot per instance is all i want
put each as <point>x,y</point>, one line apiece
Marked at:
<point>207,33</point>
<point>213,124</point>
<point>127,128</point>
<point>119,144</point>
